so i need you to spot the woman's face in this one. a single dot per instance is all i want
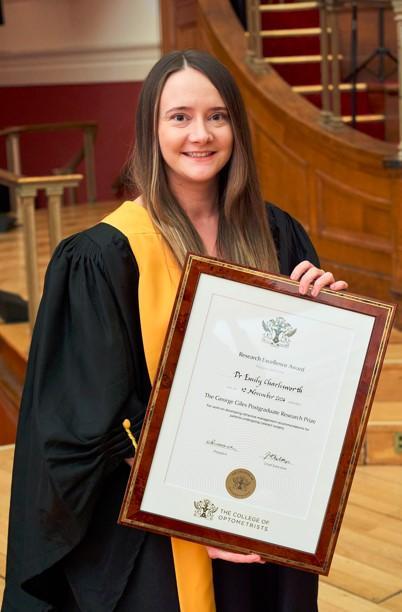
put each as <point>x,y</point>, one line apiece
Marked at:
<point>194,131</point>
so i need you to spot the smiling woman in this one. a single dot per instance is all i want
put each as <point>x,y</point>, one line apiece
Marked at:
<point>196,142</point>
<point>212,206</point>
<point>195,139</point>
<point>99,333</point>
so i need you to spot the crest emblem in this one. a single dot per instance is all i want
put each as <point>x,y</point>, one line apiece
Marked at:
<point>278,332</point>
<point>240,483</point>
<point>204,508</point>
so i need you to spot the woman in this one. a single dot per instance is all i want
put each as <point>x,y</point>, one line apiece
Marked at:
<point>99,332</point>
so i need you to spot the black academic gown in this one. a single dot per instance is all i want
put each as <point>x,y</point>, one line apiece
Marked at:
<point>86,373</point>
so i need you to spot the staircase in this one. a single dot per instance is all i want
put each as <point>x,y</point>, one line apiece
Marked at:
<point>291,34</point>
<point>383,444</point>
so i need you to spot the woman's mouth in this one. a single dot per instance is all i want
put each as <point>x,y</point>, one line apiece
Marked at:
<point>199,154</point>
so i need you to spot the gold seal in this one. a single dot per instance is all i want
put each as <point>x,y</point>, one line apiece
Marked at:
<point>240,483</point>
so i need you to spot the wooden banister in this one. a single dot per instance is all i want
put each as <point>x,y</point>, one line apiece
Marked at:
<point>89,129</point>
<point>11,179</point>
<point>397,6</point>
<point>48,127</point>
<point>26,188</point>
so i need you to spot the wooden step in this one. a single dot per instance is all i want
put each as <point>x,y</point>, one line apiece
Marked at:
<point>384,431</point>
<point>310,89</point>
<point>363,118</point>
<point>292,32</point>
<point>390,384</point>
<point>298,59</point>
<point>383,445</point>
<point>383,437</point>
<point>288,6</point>
<point>386,411</point>
<point>12,374</point>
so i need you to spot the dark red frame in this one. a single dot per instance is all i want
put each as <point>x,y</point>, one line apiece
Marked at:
<point>320,561</point>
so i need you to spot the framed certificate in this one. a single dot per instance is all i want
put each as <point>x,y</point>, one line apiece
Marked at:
<point>257,414</point>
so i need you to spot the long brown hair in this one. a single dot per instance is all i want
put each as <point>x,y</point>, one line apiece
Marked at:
<point>244,235</point>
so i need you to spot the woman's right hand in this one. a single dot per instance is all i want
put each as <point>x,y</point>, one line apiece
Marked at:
<point>218,553</point>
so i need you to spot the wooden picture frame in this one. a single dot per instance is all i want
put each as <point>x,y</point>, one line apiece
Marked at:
<point>257,414</point>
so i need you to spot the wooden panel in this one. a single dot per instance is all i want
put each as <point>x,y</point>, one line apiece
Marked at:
<point>380,441</point>
<point>360,281</point>
<point>292,172</point>
<point>377,221</point>
<point>179,24</point>
<point>390,383</point>
<point>386,416</point>
<point>347,213</point>
<point>12,373</point>
<point>8,415</point>
<point>386,410</point>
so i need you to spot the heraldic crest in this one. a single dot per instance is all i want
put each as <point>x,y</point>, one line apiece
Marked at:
<point>204,508</point>
<point>278,332</point>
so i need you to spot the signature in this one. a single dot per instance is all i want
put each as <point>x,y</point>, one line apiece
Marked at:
<point>270,456</point>
<point>217,444</point>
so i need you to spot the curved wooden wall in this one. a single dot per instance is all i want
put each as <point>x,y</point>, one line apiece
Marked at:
<point>334,182</point>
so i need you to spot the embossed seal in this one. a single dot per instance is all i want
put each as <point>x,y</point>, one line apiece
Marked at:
<point>240,483</point>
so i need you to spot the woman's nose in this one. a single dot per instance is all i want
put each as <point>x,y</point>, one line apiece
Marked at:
<point>200,132</point>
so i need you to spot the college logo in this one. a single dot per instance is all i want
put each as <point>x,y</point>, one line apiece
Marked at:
<point>204,508</point>
<point>278,332</point>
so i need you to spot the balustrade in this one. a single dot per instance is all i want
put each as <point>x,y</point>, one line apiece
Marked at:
<point>13,135</point>
<point>25,190</point>
<point>338,73</point>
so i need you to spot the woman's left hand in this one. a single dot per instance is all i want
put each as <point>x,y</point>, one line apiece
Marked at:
<point>309,275</point>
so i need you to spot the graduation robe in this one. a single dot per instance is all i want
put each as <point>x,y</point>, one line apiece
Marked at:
<point>86,373</point>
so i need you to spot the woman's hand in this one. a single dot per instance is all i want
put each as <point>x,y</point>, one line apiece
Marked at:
<point>217,553</point>
<point>130,461</point>
<point>308,274</point>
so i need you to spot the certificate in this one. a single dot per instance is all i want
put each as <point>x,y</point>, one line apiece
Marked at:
<point>257,414</point>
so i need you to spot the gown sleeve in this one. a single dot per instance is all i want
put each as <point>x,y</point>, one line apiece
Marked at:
<point>86,374</point>
<point>291,240</point>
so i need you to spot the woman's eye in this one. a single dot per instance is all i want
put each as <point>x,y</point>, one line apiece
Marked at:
<point>218,117</point>
<point>179,117</point>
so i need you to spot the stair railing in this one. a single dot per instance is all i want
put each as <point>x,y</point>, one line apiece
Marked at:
<point>397,6</point>
<point>88,128</point>
<point>25,189</point>
<point>331,86</point>
<point>324,46</point>
<point>329,43</point>
<point>331,33</point>
<point>254,42</point>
